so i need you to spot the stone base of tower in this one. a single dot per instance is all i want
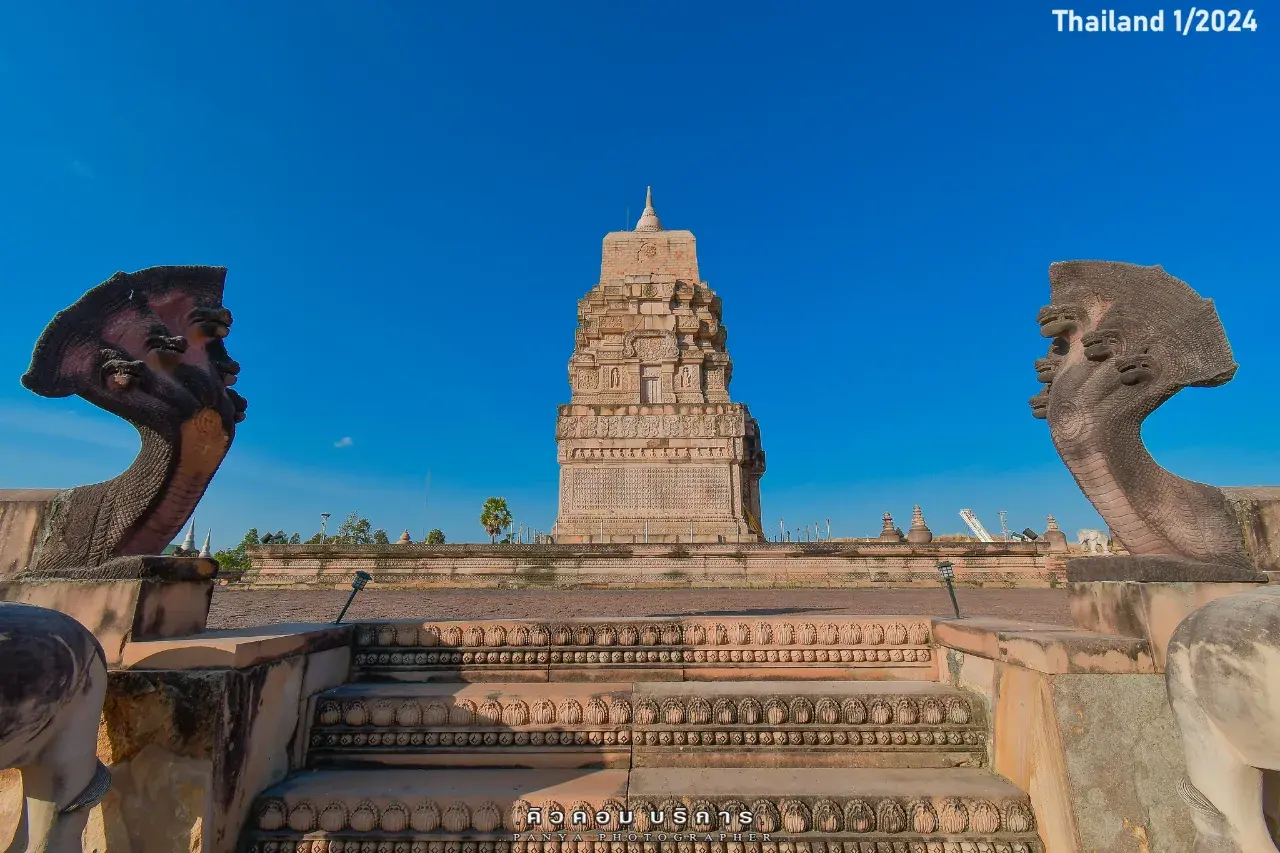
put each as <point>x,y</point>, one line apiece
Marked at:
<point>659,474</point>
<point>634,531</point>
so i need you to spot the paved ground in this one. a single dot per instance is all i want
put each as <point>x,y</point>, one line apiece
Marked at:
<point>237,608</point>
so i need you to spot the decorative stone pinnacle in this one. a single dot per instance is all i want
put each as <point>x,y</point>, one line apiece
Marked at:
<point>889,532</point>
<point>189,543</point>
<point>404,539</point>
<point>649,219</point>
<point>1052,523</point>
<point>204,549</point>
<point>919,532</point>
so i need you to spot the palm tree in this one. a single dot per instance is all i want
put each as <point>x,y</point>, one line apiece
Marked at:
<point>494,517</point>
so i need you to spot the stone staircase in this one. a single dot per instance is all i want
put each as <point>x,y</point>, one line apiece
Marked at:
<point>775,734</point>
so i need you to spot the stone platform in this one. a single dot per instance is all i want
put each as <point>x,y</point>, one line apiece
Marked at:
<point>867,563</point>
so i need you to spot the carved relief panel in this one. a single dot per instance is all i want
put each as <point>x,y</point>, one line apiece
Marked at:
<point>680,491</point>
<point>727,425</point>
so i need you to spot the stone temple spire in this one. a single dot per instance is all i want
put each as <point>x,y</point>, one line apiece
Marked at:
<point>189,544</point>
<point>649,219</point>
<point>204,550</point>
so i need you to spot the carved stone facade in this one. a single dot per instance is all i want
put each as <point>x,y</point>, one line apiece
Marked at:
<point>650,446</point>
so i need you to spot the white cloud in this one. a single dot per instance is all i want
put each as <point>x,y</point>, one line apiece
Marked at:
<point>345,441</point>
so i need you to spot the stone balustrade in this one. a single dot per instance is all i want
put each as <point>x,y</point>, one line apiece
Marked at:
<point>670,565</point>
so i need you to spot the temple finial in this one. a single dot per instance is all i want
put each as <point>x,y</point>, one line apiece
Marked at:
<point>189,543</point>
<point>649,219</point>
<point>204,550</point>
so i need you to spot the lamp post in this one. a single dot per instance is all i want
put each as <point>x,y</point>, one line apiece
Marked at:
<point>324,524</point>
<point>948,572</point>
<point>361,579</point>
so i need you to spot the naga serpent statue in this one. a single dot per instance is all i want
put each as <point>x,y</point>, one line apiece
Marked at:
<point>149,347</point>
<point>146,346</point>
<point>1126,338</point>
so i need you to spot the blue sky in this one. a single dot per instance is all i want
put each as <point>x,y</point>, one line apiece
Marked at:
<point>411,197</point>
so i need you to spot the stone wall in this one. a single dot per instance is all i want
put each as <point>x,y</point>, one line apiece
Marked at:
<point>836,564</point>
<point>22,515</point>
<point>1080,721</point>
<point>195,730</point>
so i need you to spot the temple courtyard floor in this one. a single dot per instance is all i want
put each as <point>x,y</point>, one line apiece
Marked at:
<point>237,608</point>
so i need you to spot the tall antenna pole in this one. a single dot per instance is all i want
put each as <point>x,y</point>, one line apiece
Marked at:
<point>426,501</point>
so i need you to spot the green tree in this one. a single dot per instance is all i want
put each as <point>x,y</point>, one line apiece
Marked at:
<point>435,537</point>
<point>356,530</point>
<point>314,540</point>
<point>494,517</point>
<point>295,539</point>
<point>236,560</point>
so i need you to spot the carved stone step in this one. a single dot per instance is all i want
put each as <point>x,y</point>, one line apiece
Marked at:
<point>566,811</point>
<point>721,724</point>
<point>784,647</point>
<point>805,723</point>
<point>473,725</point>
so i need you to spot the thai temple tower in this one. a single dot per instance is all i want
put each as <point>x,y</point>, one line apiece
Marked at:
<point>650,446</point>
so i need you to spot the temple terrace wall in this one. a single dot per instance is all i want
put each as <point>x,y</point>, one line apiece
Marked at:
<point>834,564</point>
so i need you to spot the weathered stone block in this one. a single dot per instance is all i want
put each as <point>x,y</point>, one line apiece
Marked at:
<point>22,516</point>
<point>147,598</point>
<point>1061,733</point>
<point>188,750</point>
<point>1147,611</point>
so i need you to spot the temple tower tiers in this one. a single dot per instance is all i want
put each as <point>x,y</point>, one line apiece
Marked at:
<point>650,445</point>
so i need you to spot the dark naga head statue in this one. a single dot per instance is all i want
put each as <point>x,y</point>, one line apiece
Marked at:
<point>149,347</point>
<point>1126,338</point>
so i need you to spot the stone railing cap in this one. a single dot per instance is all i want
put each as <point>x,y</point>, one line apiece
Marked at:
<point>1051,649</point>
<point>237,648</point>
